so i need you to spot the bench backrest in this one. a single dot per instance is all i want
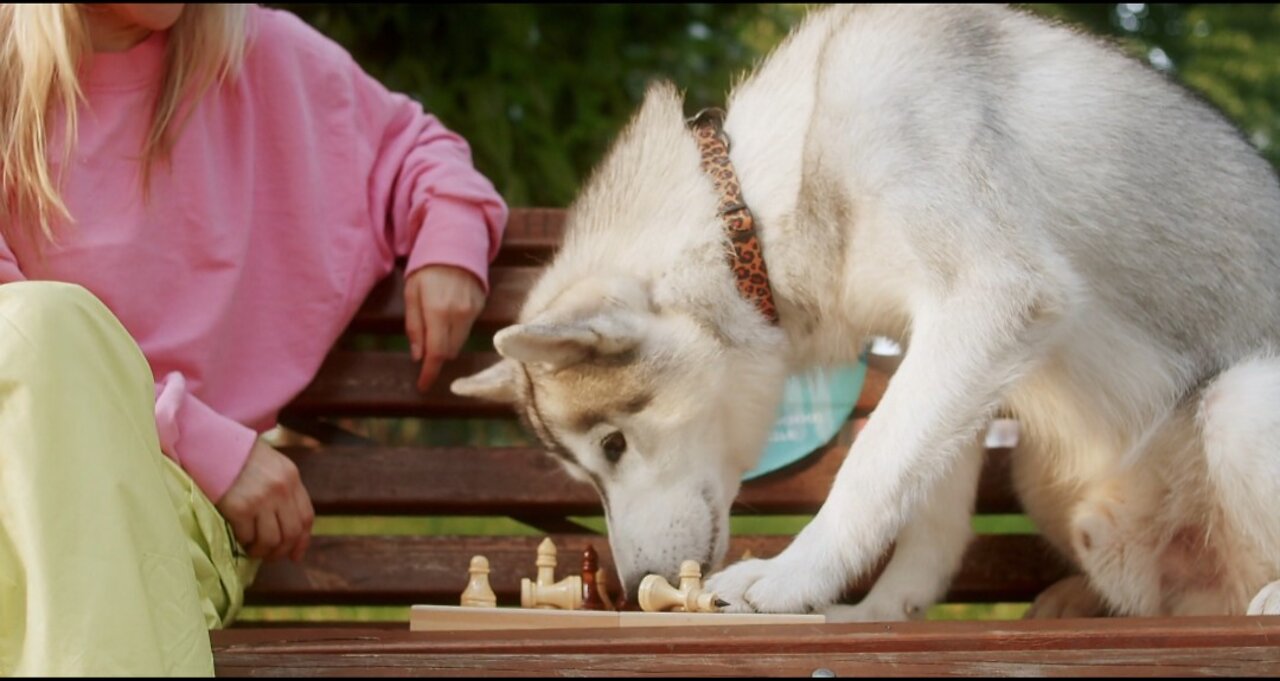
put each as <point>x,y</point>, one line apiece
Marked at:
<point>370,375</point>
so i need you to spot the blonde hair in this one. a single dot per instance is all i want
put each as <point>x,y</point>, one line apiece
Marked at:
<point>41,47</point>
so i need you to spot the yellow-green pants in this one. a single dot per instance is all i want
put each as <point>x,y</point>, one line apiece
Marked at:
<point>112,562</point>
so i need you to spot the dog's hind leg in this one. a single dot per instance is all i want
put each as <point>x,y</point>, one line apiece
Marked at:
<point>1195,530</point>
<point>927,552</point>
<point>1115,538</point>
<point>1240,422</point>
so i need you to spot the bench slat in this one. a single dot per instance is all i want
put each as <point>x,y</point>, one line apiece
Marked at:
<point>533,232</point>
<point>381,383</point>
<point>525,481</point>
<point>383,310</point>
<point>355,383</point>
<point>532,236</point>
<point>409,569</point>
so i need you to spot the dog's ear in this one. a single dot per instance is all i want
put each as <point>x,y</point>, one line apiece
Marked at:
<point>495,384</point>
<point>559,345</point>
<point>661,93</point>
<point>663,104</point>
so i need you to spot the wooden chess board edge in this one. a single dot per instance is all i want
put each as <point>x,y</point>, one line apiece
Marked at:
<point>458,618</point>
<point>461,618</point>
<point>706,619</point>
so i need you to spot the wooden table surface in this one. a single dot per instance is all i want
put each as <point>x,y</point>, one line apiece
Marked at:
<point>1189,646</point>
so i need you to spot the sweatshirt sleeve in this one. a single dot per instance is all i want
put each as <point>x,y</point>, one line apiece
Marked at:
<point>433,205</point>
<point>210,447</point>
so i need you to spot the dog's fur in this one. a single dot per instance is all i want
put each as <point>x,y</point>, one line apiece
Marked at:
<point>1044,223</point>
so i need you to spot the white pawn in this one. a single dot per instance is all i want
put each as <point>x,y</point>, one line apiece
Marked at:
<point>544,591</point>
<point>478,593</point>
<point>656,595</point>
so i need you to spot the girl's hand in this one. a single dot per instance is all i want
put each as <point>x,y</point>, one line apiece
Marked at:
<point>268,507</point>
<point>440,305</point>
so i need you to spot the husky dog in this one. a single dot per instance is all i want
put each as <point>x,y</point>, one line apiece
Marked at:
<point>1046,225</point>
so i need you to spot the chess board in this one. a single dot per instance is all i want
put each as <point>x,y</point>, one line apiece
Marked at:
<point>459,618</point>
<point>581,601</point>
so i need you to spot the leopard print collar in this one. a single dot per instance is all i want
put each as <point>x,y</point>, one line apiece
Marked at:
<point>748,256</point>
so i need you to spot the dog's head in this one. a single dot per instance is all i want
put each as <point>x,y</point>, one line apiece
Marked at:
<point>656,400</point>
<point>646,405</point>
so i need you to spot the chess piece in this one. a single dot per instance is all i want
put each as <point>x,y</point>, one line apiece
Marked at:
<point>478,593</point>
<point>657,595</point>
<point>544,591</point>
<point>591,599</point>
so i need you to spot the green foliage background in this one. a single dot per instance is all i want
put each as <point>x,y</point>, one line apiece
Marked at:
<point>540,90</point>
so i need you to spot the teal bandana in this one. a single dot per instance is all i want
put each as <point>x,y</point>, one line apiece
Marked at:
<point>815,406</point>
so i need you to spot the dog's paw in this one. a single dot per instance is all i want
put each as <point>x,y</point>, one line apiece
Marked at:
<point>731,584</point>
<point>1267,602</point>
<point>1068,597</point>
<point>771,586</point>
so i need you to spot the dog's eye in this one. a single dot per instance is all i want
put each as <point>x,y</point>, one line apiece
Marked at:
<point>614,445</point>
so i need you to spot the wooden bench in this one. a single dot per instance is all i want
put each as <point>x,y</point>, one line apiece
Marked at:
<point>349,475</point>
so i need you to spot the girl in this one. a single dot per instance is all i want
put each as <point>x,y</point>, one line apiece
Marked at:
<point>196,201</point>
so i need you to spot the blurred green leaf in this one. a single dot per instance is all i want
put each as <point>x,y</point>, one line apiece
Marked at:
<point>540,90</point>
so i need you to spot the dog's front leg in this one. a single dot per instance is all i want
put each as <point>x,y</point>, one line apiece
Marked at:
<point>928,551</point>
<point>966,348</point>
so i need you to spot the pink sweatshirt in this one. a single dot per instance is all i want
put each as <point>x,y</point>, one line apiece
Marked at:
<point>290,193</point>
